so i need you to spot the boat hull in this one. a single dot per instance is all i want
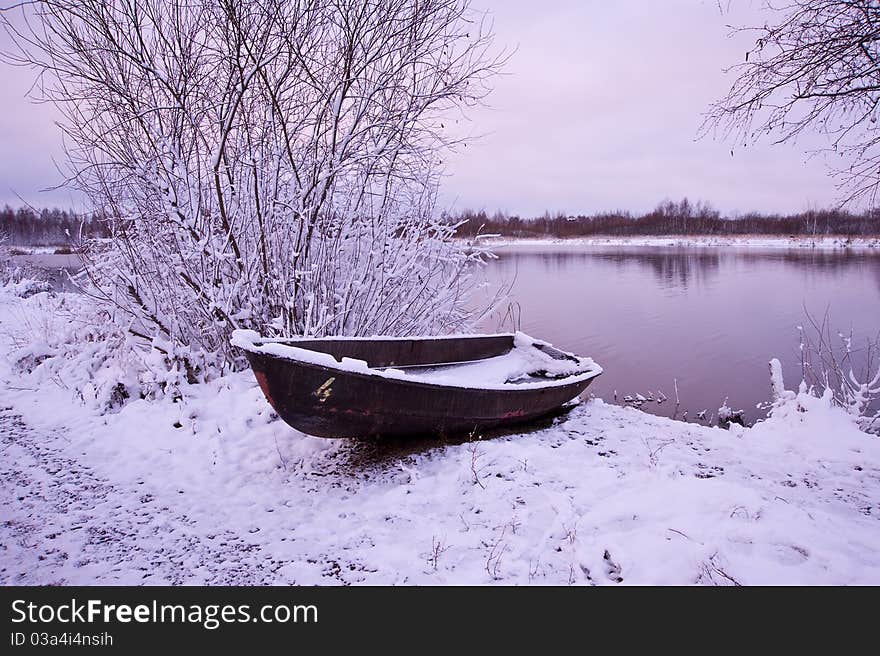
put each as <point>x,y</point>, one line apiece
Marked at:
<point>329,402</point>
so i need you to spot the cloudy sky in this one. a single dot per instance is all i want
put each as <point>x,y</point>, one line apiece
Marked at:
<point>599,109</point>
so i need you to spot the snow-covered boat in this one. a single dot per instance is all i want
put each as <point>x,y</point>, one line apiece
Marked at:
<point>388,386</point>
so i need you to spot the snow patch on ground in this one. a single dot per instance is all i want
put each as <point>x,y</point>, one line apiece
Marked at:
<point>213,488</point>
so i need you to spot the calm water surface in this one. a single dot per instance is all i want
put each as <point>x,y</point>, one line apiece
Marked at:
<point>56,269</point>
<point>709,318</point>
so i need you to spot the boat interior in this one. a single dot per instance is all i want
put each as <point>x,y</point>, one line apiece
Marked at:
<point>471,360</point>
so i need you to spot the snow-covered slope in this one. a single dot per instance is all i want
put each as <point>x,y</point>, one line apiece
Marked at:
<point>214,489</point>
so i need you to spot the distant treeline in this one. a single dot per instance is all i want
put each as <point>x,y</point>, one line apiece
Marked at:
<point>671,218</point>
<point>49,227</point>
<point>55,227</point>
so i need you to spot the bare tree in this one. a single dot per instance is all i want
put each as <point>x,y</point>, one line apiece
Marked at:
<point>269,164</point>
<point>816,68</point>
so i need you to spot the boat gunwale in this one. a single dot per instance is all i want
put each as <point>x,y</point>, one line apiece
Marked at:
<point>371,373</point>
<point>383,338</point>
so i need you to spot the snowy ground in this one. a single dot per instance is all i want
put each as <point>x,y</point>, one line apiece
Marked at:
<point>740,241</point>
<point>214,489</point>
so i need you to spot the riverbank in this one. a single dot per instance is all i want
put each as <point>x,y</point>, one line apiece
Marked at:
<point>734,241</point>
<point>213,488</point>
<point>830,242</point>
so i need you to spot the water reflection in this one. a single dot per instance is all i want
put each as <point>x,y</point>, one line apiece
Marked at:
<point>684,266</point>
<point>672,269</point>
<point>57,270</point>
<point>706,320</point>
<point>813,259</point>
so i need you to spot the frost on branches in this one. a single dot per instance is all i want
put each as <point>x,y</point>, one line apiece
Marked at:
<point>270,164</point>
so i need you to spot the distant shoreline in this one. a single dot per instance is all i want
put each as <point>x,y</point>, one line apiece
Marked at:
<point>825,242</point>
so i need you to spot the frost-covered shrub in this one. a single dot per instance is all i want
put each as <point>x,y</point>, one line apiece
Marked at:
<point>728,416</point>
<point>790,405</point>
<point>19,280</point>
<point>833,362</point>
<point>278,172</point>
<point>65,340</point>
<point>27,287</point>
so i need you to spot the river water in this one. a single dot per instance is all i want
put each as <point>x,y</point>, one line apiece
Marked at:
<point>706,319</point>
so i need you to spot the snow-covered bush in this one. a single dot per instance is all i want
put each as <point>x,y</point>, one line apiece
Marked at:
<point>728,416</point>
<point>791,406</point>
<point>19,280</point>
<point>65,340</point>
<point>274,166</point>
<point>832,363</point>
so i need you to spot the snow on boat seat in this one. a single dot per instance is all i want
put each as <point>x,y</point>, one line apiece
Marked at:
<point>524,363</point>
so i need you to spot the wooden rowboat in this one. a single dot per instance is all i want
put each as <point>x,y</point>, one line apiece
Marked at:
<point>399,387</point>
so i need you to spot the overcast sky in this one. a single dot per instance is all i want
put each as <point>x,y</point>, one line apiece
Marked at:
<point>599,110</point>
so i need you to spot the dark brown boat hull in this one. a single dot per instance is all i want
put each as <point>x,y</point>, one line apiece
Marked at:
<point>329,402</point>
